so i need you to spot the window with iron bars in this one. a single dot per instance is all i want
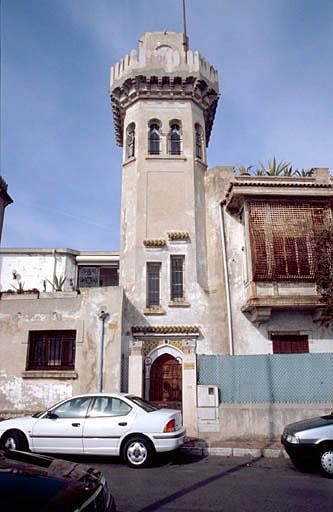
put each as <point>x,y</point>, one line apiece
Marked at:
<point>290,344</point>
<point>154,140</point>
<point>130,141</point>
<point>174,142</point>
<point>51,350</point>
<point>282,237</point>
<point>94,276</point>
<point>198,141</point>
<point>153,284</point>
<point>177,277</point>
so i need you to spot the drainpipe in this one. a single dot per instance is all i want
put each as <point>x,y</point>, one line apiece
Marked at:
<point>227,287</point>
<point>102,316</point>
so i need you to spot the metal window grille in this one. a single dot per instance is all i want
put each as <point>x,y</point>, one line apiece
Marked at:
<point>153,284</point>
<point>282,238</point>
<point>130,141</point>
<point>177,277</point>
<point>175,140</point>
<point>198,143</point>
<point>89,277</point>
<point>154,140</point>
<point>290,344</point>
<point>51,350</point>
<point>175,144</point>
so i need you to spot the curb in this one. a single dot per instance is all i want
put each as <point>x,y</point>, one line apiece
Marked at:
<point>234,452</point>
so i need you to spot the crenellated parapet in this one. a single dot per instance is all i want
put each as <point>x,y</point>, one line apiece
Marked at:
<point>163,70</point>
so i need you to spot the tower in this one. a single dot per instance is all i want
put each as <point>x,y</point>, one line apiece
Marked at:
<point>163,100</point>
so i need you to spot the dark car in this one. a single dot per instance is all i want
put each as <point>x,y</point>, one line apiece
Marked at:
<point>36,483</point>
<point>309,443</point>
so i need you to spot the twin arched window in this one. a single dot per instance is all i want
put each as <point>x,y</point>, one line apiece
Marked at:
<point>174,138</point>
<point>174,142</point>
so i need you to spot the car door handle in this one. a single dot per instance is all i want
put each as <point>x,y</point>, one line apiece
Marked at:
<point>75,424</point>
<point>122,424</point>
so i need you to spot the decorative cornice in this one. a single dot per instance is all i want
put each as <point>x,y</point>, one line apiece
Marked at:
<point>154,242</point>
<point>283,302</point>
<point>274,187</point>
<point>256,183</point>
<point>167,86</point>
<point>165,329</point>
<point>259,309</point>
<point>178,235</point>
<point>3,192</point>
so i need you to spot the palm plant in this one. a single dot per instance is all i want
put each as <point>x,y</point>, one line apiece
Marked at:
<point>273,168</point>
<point>289,171</point>
<point>58,282</point>
<point>303,172</point>
<point>244,170</point>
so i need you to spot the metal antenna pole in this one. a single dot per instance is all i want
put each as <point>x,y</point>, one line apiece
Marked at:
<point>185,38</point>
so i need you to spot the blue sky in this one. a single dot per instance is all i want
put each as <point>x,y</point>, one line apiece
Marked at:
<point>59,155</point>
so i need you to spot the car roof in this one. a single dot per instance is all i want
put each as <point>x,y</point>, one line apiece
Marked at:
<point>104,393</point>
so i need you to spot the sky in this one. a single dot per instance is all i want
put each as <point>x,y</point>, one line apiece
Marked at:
<point>58,151</point>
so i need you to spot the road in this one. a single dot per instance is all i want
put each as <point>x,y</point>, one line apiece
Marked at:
<point>186,483</point>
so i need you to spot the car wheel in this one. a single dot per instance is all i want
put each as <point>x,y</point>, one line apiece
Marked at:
<point>326,460</point>
<point>14,441</point>
<point>138,452</point>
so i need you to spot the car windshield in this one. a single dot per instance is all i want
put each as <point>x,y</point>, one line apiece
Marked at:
<point>40,413</point>
<point>146,406</point>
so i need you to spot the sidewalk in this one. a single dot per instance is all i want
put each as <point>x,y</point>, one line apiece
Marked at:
<point>235,448</point>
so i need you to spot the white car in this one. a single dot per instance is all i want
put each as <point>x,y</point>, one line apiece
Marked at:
<point>98,424</point>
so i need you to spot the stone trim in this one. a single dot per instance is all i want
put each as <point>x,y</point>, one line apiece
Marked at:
<point>49,374</point>
<point>254,182</point>
<point>166,157</point>
<point>178,235</point>
<point>259,309</point>
<point>154,242</point>
<point>154,311</point>
<point>165,329</point>
<point>129,161</point>
<point>179,304</point>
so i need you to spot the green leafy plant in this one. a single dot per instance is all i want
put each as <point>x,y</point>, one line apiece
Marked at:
<point>303,172</point>
<point>274,169</point>
<point>323,270</point>
<point>57,283</point>
<point>244,170</point>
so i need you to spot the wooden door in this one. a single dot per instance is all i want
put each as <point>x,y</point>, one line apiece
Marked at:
<point>166,382</point>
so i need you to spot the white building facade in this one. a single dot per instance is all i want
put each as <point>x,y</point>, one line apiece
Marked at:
<point>211,303</point>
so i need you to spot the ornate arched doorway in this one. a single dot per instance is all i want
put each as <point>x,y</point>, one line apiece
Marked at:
<point>166,382</point>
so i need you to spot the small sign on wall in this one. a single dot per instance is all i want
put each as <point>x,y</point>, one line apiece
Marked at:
<point>189,366</point>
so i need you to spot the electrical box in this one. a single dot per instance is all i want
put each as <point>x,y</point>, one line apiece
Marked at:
<point>208,396</point>
<point>208,408</point>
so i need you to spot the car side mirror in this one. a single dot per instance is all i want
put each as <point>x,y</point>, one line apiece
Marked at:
<point>51,415</point>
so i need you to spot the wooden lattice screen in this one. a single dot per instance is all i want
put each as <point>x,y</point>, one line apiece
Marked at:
<point>282,237</point>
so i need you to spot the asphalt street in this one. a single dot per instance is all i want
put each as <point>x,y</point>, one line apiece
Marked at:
<point>186,483</point>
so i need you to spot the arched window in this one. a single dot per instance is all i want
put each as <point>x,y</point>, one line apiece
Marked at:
<point>198,141</point>
<point>174,139</point>
<point>130,141</point>
<point>154,140</point>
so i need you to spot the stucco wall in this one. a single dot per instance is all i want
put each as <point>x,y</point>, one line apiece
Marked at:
<point>21,391</point>
<point>261,421</point>
<point>35,268</point>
